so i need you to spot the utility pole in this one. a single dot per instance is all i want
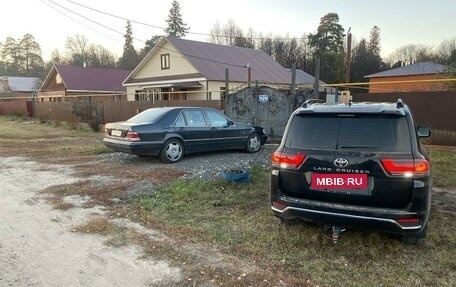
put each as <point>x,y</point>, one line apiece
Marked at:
<point>348,59</point>
<point>227,86</point>
<point>293,81</point>
<point>316,91</point>
<point>249,74</point>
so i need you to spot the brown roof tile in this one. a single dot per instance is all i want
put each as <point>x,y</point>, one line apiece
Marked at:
<point>92,79</point>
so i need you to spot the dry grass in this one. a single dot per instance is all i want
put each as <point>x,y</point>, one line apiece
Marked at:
<point>225,235</point>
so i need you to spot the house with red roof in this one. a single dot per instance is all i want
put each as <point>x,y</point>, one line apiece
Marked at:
<point>76,84</point>
<point>418,77</point>
<point>180,69</point>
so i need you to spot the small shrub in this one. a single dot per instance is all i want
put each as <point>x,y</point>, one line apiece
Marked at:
<point>95,124</point>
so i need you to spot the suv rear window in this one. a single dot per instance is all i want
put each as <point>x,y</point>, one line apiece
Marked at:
<point>346,131</point>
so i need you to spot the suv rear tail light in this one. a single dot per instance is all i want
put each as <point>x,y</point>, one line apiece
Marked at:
<point>287,160</point>
<point>406,167</point>
<point>132,136</point>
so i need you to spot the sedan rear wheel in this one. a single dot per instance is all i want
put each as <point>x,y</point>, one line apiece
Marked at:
<point>253,143</point>
<point>172,151</point>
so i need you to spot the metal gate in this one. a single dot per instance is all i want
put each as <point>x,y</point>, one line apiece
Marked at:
<point>265,107</point>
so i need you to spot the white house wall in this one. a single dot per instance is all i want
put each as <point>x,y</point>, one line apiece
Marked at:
<point>178,64</point>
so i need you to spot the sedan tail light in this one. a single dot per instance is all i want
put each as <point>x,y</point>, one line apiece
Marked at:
<point>287,160</point>
<point>132,136</point>
<point>406,167</point>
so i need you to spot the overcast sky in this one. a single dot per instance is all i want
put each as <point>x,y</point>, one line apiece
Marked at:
<point>401,21</point>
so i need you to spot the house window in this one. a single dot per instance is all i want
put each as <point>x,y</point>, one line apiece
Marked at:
<point>58,79</point>
<point>164,61</point>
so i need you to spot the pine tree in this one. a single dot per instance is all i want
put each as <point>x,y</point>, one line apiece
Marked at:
<point>149,45</point>
<point>129,59</point>
<point>22,57</point>
<point>330,35</point>
<point>176,27</point>
<point>328,44</point>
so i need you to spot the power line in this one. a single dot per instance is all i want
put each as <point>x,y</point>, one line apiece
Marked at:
<point>115,16</point>
<point>173,51</point>
<point>93,21</point>
<point>163,28</point>
<point>77,21</point>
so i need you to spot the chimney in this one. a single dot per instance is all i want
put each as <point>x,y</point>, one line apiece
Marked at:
<point>5,84</point>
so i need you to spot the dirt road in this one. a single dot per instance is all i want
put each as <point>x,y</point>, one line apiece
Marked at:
<point>38,247</point>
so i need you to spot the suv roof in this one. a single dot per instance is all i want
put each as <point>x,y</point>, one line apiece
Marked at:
<point>382,108</point>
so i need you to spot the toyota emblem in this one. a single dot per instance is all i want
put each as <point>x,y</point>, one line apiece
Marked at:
<point>341,162</point>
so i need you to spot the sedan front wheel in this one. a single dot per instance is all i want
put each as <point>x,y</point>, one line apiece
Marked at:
<point>253,143</point>
<point>172,151</point>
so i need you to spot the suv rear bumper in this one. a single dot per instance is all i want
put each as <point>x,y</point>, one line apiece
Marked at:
<point>384,220</point>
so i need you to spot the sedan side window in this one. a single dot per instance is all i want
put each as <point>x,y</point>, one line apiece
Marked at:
<point>180,122</point>
<point>216,119</point>
<point>194,118</point>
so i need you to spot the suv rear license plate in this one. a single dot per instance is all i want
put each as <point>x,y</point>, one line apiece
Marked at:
<point>339,181</point>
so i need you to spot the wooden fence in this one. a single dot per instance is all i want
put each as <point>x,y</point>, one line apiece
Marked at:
<point>432,109</point>
<point>104,112</point>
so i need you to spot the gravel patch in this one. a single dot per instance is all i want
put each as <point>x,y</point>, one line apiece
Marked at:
<point>203,165</point>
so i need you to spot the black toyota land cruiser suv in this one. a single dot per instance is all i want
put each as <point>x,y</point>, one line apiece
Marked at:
<point>354,165</point>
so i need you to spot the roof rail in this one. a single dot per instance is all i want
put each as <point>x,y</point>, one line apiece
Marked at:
<point>311,101</point>
<point>399,104</point>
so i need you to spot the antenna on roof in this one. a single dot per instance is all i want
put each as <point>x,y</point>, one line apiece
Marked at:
<point>399,104</point>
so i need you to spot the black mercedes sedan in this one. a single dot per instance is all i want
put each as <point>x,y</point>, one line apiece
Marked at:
<point>171,132</point>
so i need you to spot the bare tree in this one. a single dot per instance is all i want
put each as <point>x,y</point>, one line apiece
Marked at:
<point>79,52</point>
<point>410,54</point>
<point>216,34</point>
<point>76,45</point>
<point>447,51</point>
<point>228,35</point>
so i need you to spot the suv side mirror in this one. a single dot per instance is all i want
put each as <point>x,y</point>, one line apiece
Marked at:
<point>230,123</point>
<point>423,132</point>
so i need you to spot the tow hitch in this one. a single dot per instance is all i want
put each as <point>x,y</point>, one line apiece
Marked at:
<point>335,232</point>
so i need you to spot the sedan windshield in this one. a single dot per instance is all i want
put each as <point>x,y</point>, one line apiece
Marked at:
<point>148,116</point>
